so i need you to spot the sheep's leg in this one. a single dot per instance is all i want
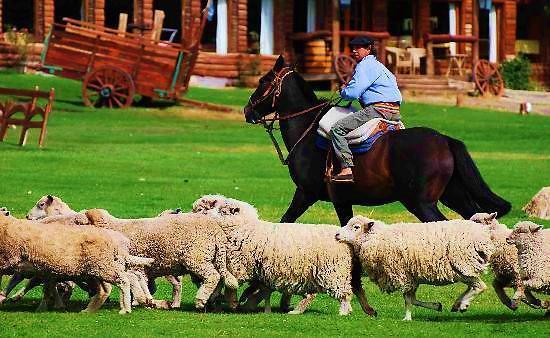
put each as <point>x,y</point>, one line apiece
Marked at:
<point>502,296</point>
<point>12,283</point>
<point>463,302</point>
<point>231,298</point>
<point>176,290</point>
<point>304,304</point>
<point>284,304</point>
<point>358,290</point>
<point>255,294</point>
<point>345,305</point>
<point>408,296</point>
<point>210,279</point>
<point>136,288</point>
<point>531,300</point>
<point>58,302</point>
<point>125,294</point>
<point>103,290</point>
<point>47,295</point>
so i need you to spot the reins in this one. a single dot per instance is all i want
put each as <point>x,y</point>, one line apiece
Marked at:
<point>268,123</point>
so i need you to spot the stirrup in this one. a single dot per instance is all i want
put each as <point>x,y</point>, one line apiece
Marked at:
<point>346,178</point>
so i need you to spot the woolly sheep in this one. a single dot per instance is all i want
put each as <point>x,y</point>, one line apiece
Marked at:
<point>504,262</point>
<point>51,208</point>
<point>291,258</point>
<point>533,245</point>
<point>57,250</point>
<point>397,257</point>
<point>188,243</point>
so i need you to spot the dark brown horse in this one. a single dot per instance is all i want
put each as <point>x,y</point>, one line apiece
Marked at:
<point>417,166</point>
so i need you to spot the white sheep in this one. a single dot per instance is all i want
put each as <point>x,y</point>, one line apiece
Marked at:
<point>533,245</point>
<point>67,252</point>
<point>290,258</point>
<point>189,243</point>
<point>400,257</point>
<point>504,262</point>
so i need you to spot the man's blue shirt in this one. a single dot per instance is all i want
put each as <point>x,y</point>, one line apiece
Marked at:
<point>372,82</point>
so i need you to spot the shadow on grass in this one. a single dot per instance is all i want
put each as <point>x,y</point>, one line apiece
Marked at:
<point>487,318</point>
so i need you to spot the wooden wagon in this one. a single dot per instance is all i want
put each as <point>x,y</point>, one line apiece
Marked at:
<point>115,66</point>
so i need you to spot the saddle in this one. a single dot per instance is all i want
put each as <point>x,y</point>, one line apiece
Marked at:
<point>360,140</point>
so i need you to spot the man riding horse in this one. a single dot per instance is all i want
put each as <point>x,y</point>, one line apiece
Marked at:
<point>376,88</point>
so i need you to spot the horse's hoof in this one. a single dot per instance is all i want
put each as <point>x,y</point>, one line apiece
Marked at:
<point>439,307</point>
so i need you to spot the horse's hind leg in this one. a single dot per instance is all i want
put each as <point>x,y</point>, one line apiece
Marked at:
<point>344,212</point>
<point>300,203</point>
<point>425,212</point>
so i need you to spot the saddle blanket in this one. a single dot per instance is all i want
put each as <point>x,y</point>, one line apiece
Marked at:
<point>360,139</point>
<point>359,135</point>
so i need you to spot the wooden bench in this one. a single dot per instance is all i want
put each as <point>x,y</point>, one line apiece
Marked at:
<point>27,106</point>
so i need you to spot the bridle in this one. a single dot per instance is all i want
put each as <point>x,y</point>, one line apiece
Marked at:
<point>275,88</point>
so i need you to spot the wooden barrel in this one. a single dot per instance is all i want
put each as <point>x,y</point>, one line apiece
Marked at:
<point>317,57</point>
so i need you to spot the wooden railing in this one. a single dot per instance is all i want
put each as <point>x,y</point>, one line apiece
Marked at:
<point>430,39</point>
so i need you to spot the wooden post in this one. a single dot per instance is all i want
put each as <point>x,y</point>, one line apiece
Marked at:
<point>429,58</point>
<point>122,24</point>
<point>475,32</point>
<point>382,51</point>
<point>158,20</point>
<point>347,19</point>
<point>335,28</point>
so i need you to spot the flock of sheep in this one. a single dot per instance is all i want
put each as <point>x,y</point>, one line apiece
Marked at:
<point>222,243</point>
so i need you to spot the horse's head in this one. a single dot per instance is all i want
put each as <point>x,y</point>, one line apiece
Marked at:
<point>264,99</point>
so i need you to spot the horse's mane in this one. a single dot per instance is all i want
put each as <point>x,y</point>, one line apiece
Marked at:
<point>308,92</point>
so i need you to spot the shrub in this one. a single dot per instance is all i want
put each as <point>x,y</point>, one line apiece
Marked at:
<point>516,73</point>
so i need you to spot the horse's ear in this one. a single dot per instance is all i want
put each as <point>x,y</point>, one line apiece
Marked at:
<point>279,64</point>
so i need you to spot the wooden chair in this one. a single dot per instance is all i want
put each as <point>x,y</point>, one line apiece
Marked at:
<point>399,59</point>
<point>29,108</point>
<point>417,54</point>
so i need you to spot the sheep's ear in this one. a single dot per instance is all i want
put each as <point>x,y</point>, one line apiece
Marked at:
<point>534,227</point>
<point>177,211</point>
<point>368,226</point>
<point>49,199</point>
<point>493,216</point>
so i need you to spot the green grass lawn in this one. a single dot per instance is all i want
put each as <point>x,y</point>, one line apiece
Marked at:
<point>140,161</point>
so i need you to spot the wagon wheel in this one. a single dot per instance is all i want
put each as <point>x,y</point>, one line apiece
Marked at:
<point>344,67</point>
<point>487,78</point>
<point>108,86</point>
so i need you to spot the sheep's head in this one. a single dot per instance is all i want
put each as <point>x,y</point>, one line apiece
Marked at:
<point>356,227</point>
<point>485,218</point>
<point>523,232</point>
<point>5,214</point>
<point>48,205</point>
<point>170,212</point>
<point>208,204</point>
<point>98,217</point>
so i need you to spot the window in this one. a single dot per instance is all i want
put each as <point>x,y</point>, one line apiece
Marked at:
<point>18,14</point>
<point>67,9</point>
<point>208,40</point>
<point>439,18</point>
<point>113,8</point>
<point>172,17</point>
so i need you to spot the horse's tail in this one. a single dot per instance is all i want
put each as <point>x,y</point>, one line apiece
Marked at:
<point>474,187</point>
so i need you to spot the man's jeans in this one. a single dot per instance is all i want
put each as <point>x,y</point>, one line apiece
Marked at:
<point>341,128</point>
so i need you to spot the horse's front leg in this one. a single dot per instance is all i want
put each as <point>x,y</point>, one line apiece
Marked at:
<point>300,203</point>
<point>344,212</point>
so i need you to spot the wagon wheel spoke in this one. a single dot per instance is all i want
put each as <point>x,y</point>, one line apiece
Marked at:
<point>117,101</point>
<point>108,86</point>
<point>93,86</point>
